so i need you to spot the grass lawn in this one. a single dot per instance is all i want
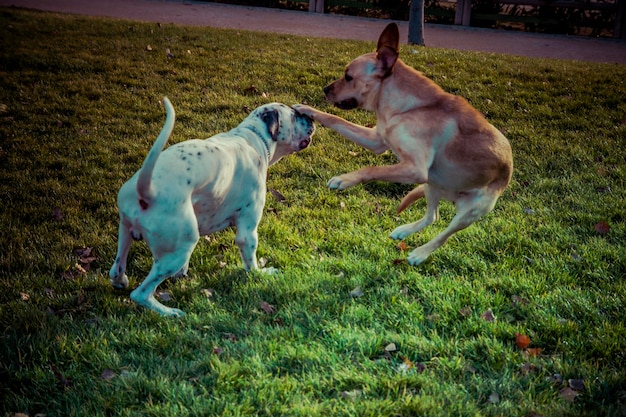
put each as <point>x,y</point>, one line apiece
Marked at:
<point>347,328</point>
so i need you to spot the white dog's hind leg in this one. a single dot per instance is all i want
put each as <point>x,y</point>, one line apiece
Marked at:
<point>432,215</point>
<point>117,273</point>
<point>170,265</point>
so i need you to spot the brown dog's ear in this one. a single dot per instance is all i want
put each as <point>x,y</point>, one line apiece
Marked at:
<point>270,118</point>
<point>389,38</point>
<point>387,49</point>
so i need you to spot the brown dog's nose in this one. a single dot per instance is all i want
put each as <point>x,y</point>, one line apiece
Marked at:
<point>328,88</point>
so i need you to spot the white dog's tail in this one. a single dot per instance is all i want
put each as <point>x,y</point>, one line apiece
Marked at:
<point>146,194</point>
<point>413,195</point>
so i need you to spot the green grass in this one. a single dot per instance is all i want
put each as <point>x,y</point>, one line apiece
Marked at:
<point>78,113</point>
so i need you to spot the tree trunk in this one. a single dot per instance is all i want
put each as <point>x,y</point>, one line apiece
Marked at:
<point>416,22</point>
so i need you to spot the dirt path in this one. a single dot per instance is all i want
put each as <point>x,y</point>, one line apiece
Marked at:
<point>189,12</point>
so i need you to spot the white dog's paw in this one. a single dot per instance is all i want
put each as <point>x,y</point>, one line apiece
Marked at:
<point>119,282</point>
<point>152,304</point>
<point>402,232</point>
<point>269,270</point>
<point>418,256</point>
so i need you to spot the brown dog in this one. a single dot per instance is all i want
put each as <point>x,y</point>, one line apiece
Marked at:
<point>440,140</point>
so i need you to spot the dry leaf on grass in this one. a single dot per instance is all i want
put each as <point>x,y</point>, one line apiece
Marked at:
<point>207,292</point>
<point>402,246</point>
<point>465,311</point>
<point>576,384</point>
<point>522,341</point>
<point>568,394</point>
<point>267,307</point>
<point>108,375</point>
<point>494,398</point>
<point>602,228</point>
<point>164,296</point>
<point>353,395</point>
<point>391,347</point>
<point>281,198</point>
<point>356,293</point>
<point>488,316</point>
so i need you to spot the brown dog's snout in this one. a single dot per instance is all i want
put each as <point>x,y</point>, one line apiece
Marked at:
<point>328,89</point>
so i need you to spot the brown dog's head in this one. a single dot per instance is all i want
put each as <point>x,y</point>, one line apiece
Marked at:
<point>363,76</point>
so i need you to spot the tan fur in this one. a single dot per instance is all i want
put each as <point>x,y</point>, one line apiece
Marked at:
<point>439,139</point>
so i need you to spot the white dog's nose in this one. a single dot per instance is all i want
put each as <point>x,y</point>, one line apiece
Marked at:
<point>304,143</point>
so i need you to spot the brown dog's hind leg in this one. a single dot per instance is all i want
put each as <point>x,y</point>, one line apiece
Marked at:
<point>469,208</point>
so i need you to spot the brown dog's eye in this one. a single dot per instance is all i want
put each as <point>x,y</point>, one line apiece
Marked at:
<point>348,78</point>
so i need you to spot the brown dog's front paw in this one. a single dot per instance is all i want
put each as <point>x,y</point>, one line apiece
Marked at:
<point>341,182</point>
<point>305,110</point>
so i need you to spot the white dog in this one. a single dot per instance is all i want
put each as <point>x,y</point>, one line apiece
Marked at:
<point>198,187</point>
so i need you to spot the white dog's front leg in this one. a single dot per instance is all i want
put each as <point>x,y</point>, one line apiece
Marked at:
<point>117,274</point>
<point>247,241</point>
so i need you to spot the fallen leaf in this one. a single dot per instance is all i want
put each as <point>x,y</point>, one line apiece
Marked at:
<point>281,198</point>
<point>148,48</point>
<point>217,350</point>
<point>353,395</point>
<point>576,384</point>
<point>164,296</point>
<point>57,214</point>
<point>402,246</point>
<point>268,308</point>
<point>488,316</point>
<point>391,347</point>
<point>433,317</point>
<point>534,351</point>
<point>66,382</point>
<point>262,262</point>
<point>568,394</point>
<point>407,362</point>
<point>252,90</point>
<point>357,292</point>
<point>527,368</point>
<point>231,337</point>
<point>602,228</point>
<point>494,398</point>
<point>342,205</point>
<point>522,341</point>
<point>24,296</point>
<point>556,379</point>
<point>519,301</point>
<point>465,311</point>
<point>352,153</point>
<point>207,292</point>
<point>108,375</point>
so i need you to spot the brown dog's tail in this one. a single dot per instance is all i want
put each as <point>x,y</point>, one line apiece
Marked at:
<point>146,194</point>
<point>411,197</point>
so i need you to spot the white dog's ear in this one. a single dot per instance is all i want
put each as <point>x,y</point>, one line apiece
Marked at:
<point>387,49</point>
<point>270,118</point>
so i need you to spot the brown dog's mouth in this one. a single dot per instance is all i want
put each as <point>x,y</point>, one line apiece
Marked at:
<point>348,104</point>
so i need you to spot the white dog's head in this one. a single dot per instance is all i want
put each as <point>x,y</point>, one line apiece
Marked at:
<point>289,131</point>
